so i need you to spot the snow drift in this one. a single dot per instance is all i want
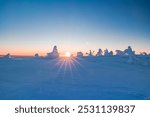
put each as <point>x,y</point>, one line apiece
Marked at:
<point>102,77</point>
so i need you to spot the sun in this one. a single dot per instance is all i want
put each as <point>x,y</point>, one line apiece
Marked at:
<point>67,54</point>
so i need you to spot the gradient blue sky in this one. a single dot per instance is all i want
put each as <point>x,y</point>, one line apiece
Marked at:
<point>34,26</point>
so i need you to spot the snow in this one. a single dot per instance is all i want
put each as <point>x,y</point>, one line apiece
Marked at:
<point>102,77</point>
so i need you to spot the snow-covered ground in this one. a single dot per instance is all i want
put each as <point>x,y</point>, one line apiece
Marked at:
<point>80,78</point>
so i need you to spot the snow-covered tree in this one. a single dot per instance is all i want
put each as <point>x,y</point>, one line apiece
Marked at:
<point>54,53</point>
<point>99,53</point>
<point>110,53</point>
<point>120,53</point>
<point>7,56</point>
<point>36,55</point>
<point>143,53</point>
<point>90,53</point>
<point>131,54</point>
<point>106,53</point>
<point>79,54</point>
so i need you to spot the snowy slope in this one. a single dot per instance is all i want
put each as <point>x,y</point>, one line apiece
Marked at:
<point>80,78</point>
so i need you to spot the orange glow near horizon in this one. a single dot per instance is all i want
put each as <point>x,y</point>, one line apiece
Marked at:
<point>32,53</point>
<point>44,53</point>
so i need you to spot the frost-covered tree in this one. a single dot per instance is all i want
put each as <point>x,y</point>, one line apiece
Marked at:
<point>7,56</point>
<point>106,53</point>
<point>90,53</point>
<point>120,53</point>
<point>54,53</point>
<point>99,53</point>
<point>79,54</point>
<point>143,53</point>
<point>110,53</point>
<point>36,55</point>
<point>131,54</point>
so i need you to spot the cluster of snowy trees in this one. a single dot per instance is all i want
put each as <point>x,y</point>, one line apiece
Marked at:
<point>127,52</point>
<point>106,52</point>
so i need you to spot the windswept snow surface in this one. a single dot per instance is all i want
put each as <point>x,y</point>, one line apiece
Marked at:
<point>80,78</point>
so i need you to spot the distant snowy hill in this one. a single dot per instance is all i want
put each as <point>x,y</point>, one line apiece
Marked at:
<point>109,77</point>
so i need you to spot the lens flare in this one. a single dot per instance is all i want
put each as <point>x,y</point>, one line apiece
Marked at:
<point>67,54</point>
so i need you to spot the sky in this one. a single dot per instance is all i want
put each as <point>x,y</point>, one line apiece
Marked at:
<point>35,26</point>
